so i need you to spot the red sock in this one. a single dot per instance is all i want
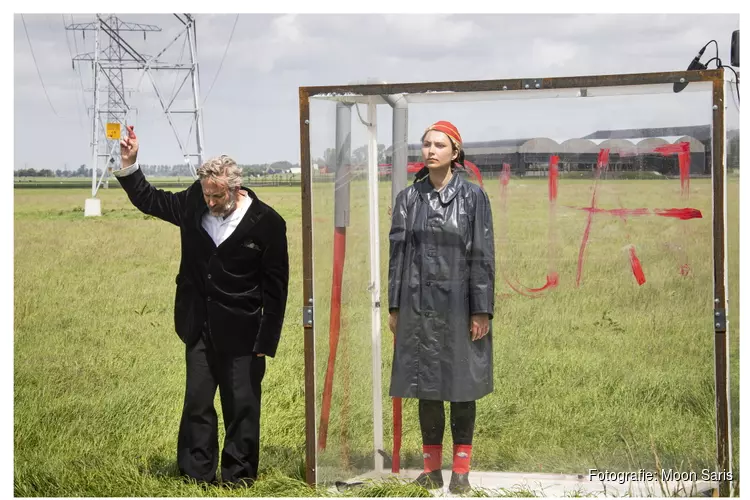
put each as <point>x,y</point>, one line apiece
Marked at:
<point>461,458</point>
<point>433,457</point>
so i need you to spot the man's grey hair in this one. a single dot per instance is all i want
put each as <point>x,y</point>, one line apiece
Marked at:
<point>221,169</point>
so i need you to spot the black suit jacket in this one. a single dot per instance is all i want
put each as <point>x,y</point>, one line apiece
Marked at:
<point>237,290</point>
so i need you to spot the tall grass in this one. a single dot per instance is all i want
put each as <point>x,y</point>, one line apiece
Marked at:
<point>582,375</point>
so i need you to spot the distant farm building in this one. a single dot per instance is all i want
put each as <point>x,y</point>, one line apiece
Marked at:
<point>630,150</point>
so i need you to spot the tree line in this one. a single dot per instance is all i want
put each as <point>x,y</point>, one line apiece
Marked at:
<point>256,169</point>
<point>358,157</point>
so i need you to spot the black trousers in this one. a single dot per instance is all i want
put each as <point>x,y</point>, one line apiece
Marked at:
<point>432,421</point>
<point>239,381</point>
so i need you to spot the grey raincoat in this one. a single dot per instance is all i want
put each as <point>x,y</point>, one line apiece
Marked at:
<point>441,271</point>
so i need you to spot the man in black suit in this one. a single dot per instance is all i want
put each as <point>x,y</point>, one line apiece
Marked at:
<point>229,307</point>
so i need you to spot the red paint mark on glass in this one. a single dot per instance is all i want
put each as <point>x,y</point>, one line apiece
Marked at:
<point>635,265</point>
<point>601,164</point>
<point>474,170</point>
<point>553,174</point>
<point>552,278</point>
<point>682,150</point>
<point>671,149</point>
<point>505,179</point>
<point>679,213</point>
<point>619,212</point>
<point>684,159</point>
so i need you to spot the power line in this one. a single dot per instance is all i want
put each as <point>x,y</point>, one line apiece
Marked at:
<point>37,66</point>
<point>67,42</point>
<point>222,59</point>
<point>78,67</point>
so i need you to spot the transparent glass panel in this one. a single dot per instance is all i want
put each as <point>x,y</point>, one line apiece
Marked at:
<point>602,332</point>
<point>343,299</point>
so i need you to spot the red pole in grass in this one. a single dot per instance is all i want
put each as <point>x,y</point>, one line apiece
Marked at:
<point>341,208</point>
<point>339,256</point>
<point>396,461</point>
<point>396,464</point>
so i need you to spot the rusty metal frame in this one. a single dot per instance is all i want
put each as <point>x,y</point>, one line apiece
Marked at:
<point>721,338</point>
<point>718,168</point>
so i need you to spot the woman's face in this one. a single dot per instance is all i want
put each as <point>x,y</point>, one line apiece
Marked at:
<point>437,150</point>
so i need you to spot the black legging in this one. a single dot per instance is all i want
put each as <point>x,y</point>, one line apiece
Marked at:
<point>432,421</point>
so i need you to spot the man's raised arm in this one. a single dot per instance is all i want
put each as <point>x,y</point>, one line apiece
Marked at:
<point>146,198</point>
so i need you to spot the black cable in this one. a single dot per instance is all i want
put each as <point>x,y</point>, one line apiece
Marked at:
<point>719,64</point>
<point>717,48</point>
<point>736,81</point>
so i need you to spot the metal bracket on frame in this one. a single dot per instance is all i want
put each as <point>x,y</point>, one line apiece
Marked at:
<point>533,84</point>
<point>720,320</point>
<point>307,316</point>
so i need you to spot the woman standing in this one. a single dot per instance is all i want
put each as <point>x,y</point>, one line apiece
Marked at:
<point>441,297</point>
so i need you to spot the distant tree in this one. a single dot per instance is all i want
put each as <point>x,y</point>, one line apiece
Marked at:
<point>733,153</point>
<point>360,155</point>
<point>329,159</point>
<point>83,171</point>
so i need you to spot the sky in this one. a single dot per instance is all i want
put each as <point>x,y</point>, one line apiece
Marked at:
<point>250,73</point>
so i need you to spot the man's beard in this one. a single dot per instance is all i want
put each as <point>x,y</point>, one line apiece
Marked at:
<point>224,210</point>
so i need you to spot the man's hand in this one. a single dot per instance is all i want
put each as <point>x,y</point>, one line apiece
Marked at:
<point>129,149</point>
<point>480,326</point>
<point>393,321</point>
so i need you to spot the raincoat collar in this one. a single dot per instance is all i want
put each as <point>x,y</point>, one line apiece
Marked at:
<point>447,194</point>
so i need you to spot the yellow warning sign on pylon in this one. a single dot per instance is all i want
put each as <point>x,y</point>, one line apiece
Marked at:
<point>113,131</point>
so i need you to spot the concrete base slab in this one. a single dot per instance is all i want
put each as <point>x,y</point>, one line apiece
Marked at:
<point>557,485</point>
<point>93,207</point>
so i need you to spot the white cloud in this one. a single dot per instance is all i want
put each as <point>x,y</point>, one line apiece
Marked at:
<point>271,56</point>
<point>554,53</point>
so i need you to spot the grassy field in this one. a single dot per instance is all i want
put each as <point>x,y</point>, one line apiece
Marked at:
<point>603,375</point>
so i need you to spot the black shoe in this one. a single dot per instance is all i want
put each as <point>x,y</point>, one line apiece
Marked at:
<point>459,483</point>
<point>238,483</point>
<point>200,482</point>
<point>430,480</point>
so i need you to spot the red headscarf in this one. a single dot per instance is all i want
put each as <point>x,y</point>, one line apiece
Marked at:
<point>448,129</point>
